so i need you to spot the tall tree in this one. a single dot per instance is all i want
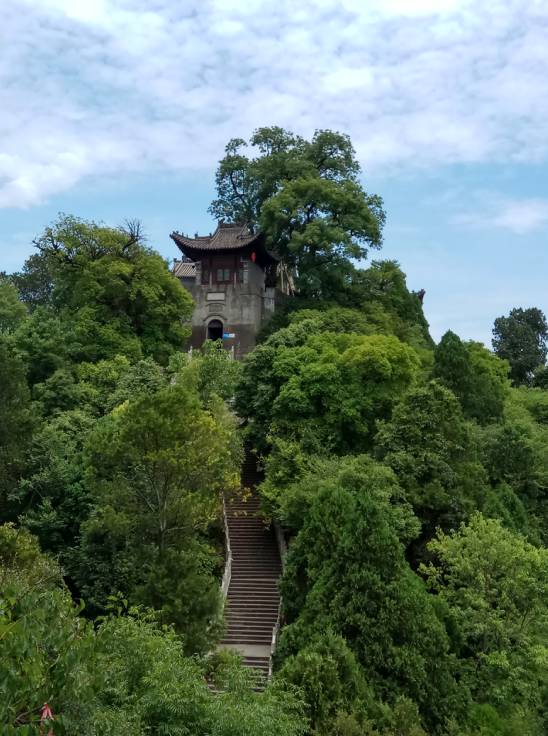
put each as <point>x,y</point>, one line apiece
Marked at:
<point>110,293</point>
<point>16,421</point>
<point>496,587</point>
<point>12,310</point>
<point>476,377</point>
<point>158,464</point>
<point>428,445</point>
<point>346,572</point>
<point>522,339</point>
<point>307,198</point>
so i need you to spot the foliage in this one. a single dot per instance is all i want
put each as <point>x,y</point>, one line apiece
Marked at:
<point>495,585</point>
<point>127,676</point>
<point>346,572</point>
<point>330,678</point>
<point>16,421</point>
<point>326,390</point>
<point>52,495</point>
<point>306,197</point>
<point>429,446</point>
<point>12,310</point>
<point>217,372</point>
<point>162,453</point>
<point>476,377</point>
<point>110,294</point>
<point>44,646</point>
<point>522,339</point>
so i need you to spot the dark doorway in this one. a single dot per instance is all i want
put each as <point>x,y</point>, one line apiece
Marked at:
<point>215,330</point>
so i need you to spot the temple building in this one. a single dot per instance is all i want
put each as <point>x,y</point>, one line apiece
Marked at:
<point>235,282</point>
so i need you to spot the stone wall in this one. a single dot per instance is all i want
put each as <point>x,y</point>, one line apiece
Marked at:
<point>240,307</point>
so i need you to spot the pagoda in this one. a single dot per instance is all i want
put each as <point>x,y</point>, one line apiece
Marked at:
<point>235,281</point>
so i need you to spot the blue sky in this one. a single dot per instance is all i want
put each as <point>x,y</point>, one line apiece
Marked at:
<point>121,108</point>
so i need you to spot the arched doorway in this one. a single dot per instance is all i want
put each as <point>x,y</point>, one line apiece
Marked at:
<point>215,330</point>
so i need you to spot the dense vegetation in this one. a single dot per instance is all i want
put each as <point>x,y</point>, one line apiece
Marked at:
<point>411,480</point>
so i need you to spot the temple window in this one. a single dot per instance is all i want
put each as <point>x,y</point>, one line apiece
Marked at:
<point>224,275</point>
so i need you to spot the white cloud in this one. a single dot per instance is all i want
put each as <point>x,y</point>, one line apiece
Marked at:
<point>519,216</point>
<point>104,86</point>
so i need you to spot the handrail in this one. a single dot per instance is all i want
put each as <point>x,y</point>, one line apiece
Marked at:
<point>282,544</point>
<point>228,563</point>
<point>274,640</point>
<point>282,550</point>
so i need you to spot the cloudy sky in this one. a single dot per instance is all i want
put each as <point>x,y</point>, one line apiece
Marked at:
<point>121,108</point>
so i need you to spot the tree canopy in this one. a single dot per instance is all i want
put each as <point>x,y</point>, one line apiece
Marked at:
<point>410,481</point>
<point>307,198</point>
<point>522,339</point>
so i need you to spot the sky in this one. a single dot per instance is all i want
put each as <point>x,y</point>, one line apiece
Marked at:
<point>116,109</point>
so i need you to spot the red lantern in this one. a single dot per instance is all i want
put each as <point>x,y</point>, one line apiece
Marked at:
<point>253,256</point>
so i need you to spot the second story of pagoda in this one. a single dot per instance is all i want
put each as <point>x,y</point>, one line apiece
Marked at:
<point>235,281</point>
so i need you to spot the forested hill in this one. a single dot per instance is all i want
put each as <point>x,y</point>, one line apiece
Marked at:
<point>410,478</point>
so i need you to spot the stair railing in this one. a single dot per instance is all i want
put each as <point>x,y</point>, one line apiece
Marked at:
<point>228,563</point>
<point>275,632</point>
<point>282,550</point>
<point>282,544</point>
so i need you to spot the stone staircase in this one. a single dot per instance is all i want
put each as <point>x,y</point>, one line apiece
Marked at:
<point>253,600</point>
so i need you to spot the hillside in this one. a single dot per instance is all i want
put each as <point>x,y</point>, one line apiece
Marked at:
<point>409,479</point>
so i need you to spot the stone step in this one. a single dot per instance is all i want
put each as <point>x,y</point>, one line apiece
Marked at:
<point>258,663</point>
<point>252,604</point>
<point>247,640</point>
<point>257,596</point>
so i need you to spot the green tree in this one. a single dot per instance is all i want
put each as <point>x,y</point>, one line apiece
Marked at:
<point>158,464</point>
<point>452,365</point>
<point>325,390</point>
<point>429,446</point>
<point>111,294</point>
<point>53,493</point>
<point>521,339</point>
<point>346,572</point>
<point>12,310</point>
<point>307,199</point>
<point>381,293</point>
<point>476,377</point>
<point>16,422</point>
<point>42,340</point>
<point>125,675</point>
<point>331,680</point>
<point>44,645</point>
<point>496,586</point>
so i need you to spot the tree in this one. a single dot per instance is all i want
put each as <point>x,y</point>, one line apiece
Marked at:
<point>325,390</point>
<point>429,446</point>
<point>521,339</point>
<point>452,365</point>
<point>331,681</point>
<point>53,493</point>
<point>44,645</point>
<point>346,572</point>
<point>158,464</point>
<point>110,293</point>
<point>126,675</point>
<point>476,377</point>
<point>16,423</point>
<point>12,310</point>
<point>496,586</point>
<point>306,197</point>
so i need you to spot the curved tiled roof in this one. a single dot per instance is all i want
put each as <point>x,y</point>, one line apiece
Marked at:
<point>184,269</point>
<point>225,237</point>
